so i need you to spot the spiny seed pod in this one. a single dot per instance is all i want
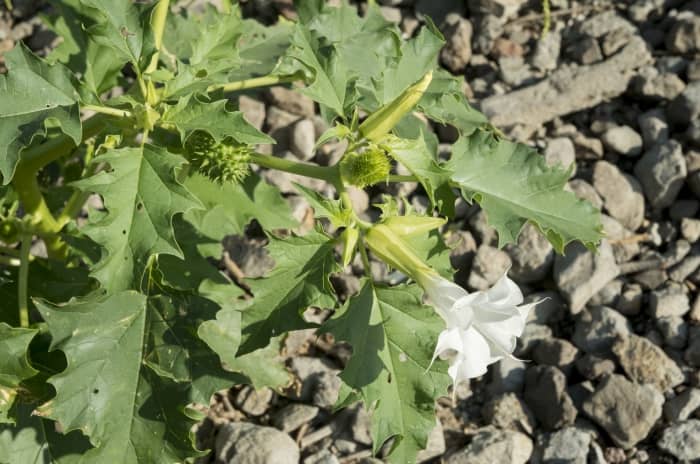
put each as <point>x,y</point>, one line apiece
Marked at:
<point>365,168</point>
<point>219,161</point>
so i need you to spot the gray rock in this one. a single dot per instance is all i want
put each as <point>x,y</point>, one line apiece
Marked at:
<point>293,416</point>
<point>250,255</point>
<point>592,367</point>
<point>627,411</point>
<point>391,14</point>
<point>532,257</point>
<point>253,110</point>
<point>682,440</point>
<point>501,9</point>
<point>621,193</point>
<point>693,180</point>
<point>253,402</point>
<point>438,11</point>
<point>550,307</point>
<point>682,406</point>
<point>630,301</point>
<point>547,51</point>
<point>514,70</point>
<point>644,362</point>
<point>508,375</point>
<point>322,457</point>
<point>597,328</point>
<point>458,43</point>
<point>585,51</point>
<point>245,443</point>
<point>530,336</point>
<point>580,273</point>
<point>614,40</point>
<point>684,36</point>
<point>657,87</point>
<point>489,265</point>
<point>674,330</point>
<point>568,89</point>
<point>509,412</point>
<point>545,394</point>
<point>694,314</point>
<point>585,191</point>
<point>623,140</point>
<point>653,126</point>
<point>603,23</point>
<point>490,445</point>
<point>661,171</point>
<point>555,352</point>
<point>291,101</point>
<point>569,445</point>
<point>685,107</point>
<point>692,353</point>
<point>436,444</point>
<point>608,295</point>
<point>670,300</point>
<point>560,151</point>
<point>320,383</point>
<point>690,229</point>
<point>303,139</point>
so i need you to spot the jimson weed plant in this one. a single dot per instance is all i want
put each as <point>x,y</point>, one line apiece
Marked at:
<point>111,337</point>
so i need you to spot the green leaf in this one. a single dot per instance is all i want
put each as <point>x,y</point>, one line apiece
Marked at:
<point>14,366</point>
<point>417,57</point>
<point>253,199</point>
<point>133,365</point>
<point>34,440</point>
<point>141,194</point>
<point>444,102</point>
<point>326,207</point>
<point>97,66</point>
<point>420,161</point>
<point>513,185</point>
<point>34,97</point>
<point>299,280</point>
<point>120,27</point>
<point>393,336</point>
<point>191,115</point>
<point>329,75</point>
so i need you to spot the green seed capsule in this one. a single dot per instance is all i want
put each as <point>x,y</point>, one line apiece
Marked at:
<point>219,161</point>
<point>366,168</point>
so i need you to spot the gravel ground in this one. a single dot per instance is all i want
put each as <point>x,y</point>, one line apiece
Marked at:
<point>612,354</point>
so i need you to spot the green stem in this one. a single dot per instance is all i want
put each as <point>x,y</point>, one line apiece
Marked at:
<point>108,110</point>
<point>23,280</point>
<point>43,221</point>
<point>8,5</point>
<point>73,206</point>
<point>365,258</point>
<point>329,174</point>
<point>262,81</point>
<point>9,251</point>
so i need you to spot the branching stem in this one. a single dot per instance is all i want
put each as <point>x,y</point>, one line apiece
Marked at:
<point>262,81</point>
<point>329,174</point>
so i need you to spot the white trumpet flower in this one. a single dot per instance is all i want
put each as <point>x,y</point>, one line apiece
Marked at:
<point>482,327</point>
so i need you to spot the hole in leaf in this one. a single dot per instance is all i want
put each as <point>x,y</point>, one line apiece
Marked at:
<point>95,391</point>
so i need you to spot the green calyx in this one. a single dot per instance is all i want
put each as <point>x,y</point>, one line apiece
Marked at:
<point>220,161</point>
<point>365,168</point>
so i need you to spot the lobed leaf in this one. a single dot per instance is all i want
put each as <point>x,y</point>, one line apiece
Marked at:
<point>14,366</point>
<point>34,97</point>
<point>299,280</point>
<point>513,185</point>
<point>393,336</point>
<point>141,194</point>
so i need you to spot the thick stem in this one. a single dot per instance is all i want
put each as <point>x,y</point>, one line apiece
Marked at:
<point>23,281</point>
<point>262,81</point>
<point>108,111</point>
<point>329,174</point>
<point>34,204</point>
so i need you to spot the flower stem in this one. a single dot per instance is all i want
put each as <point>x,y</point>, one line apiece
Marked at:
<point>23,280</point>
<point>108,110</point>
<point>329,174</point>
<point>262,81</point>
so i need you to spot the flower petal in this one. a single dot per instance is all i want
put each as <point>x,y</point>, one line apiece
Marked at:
<point>472,360</point>
<point>505,292</point>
